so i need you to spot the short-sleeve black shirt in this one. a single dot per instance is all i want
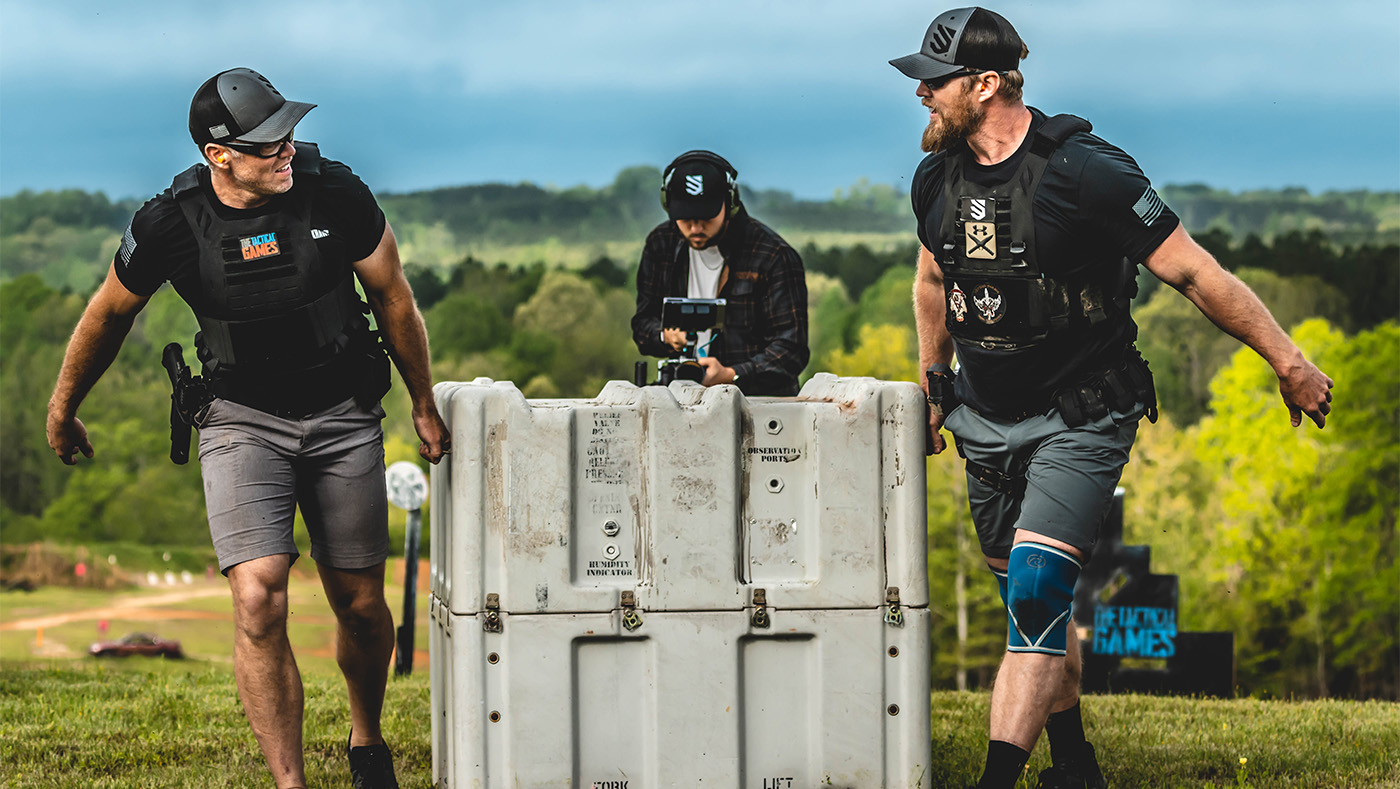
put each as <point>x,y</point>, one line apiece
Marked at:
<point>1093,208</point>
<point>159,244</point>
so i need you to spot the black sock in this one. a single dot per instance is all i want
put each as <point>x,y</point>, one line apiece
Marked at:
<point>1066,733</point>
<point>1004,765</point>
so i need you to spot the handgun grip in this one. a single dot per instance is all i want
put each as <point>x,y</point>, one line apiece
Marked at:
<point>173,360</point>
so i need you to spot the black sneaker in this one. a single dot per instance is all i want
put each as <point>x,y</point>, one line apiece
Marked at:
<point>1082,773</point>
<point>371,766</point>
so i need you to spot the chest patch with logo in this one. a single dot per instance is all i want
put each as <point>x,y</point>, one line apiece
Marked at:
<point>991,307</point>
<point>980,227</point>
<point>957,304</point>
<point>259,247</point>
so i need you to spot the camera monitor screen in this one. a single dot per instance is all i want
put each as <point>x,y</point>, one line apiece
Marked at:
<point>692,314</point>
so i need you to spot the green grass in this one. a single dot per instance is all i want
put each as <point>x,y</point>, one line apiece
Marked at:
<point>78,722</point>
<point>155,724</point>
<point>152,723</point>
<point>1158,742</point>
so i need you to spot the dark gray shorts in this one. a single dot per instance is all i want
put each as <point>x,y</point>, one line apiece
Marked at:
<point>259,468</point>
<point>1070,474</point>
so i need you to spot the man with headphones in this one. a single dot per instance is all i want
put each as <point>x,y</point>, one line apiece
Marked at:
<point>711,248</point>
<point>265,240</point>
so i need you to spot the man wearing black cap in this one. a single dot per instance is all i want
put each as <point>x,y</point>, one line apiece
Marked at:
<point>264,242</point>
<point>1032,230</point>
<point>711,248</point>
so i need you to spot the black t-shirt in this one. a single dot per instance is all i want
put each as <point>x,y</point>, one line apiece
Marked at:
<point>159,245</point>
<point>1093,208</point>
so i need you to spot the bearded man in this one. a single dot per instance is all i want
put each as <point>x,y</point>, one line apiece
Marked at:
<point>1032,230</point>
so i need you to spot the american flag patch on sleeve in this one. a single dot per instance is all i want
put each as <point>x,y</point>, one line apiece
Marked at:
<point>128,246</point>
<point>1149,206</point>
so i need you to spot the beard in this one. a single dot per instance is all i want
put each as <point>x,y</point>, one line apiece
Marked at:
<point>953,123</point>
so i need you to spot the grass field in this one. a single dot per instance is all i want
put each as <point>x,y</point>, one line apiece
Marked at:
<point>71,721</point>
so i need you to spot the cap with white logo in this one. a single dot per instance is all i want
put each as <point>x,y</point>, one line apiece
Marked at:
<point>696,189</point>
<point>964,38</point>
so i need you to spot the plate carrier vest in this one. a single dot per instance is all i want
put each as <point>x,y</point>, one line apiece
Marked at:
<point>259,310</point>
<point>996,295</point>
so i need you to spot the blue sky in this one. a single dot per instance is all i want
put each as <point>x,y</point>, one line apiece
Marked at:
<point>798,95</point>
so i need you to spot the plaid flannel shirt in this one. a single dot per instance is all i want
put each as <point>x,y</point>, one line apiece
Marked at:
<point>765,291</point>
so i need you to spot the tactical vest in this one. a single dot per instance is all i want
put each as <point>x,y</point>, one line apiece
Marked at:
<point>269,302</point>
<point>996,293</point>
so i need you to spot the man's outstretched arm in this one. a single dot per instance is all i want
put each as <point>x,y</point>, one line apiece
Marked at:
<point>1232,306</point>
<point>95,343</point>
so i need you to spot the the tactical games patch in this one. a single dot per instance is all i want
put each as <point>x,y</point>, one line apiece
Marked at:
<point>991,307</point>
<point>694,184</point>
<point>1149,207</point>
<point>259,247</point>
<point>980,227</point>
<point>957,304</point>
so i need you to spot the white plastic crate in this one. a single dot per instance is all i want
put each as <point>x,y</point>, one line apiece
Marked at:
<point>697,512</point>
<point>818,698</point>
<point>819,499</point>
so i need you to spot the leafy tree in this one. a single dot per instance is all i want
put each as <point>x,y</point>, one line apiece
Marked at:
<point>889,300</point>
<point>464,323</point>
<point>607,273</point>
<point>887,352</point>
<point>593,332</point>
<point>1305,557</point>
<point>427,284</point>
<point>829,315</point>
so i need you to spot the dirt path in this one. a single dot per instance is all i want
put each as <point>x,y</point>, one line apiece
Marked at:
<point>139,608</point>
<point>145,608</point>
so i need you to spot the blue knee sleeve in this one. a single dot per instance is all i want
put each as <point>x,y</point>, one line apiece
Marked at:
<point>1040,582</point>
<point>1001,585</point>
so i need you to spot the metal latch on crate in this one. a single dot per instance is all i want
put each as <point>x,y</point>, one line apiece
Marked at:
<point>492,623</point>
<point>893,614</point>
<point>760,610</point>
<point>630,618</point>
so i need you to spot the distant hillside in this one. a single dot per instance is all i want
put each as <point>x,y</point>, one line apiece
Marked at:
<point>627,208</point>
<point>68,237</point>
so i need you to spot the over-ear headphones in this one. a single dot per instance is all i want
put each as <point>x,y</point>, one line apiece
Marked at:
<point>731,175</point>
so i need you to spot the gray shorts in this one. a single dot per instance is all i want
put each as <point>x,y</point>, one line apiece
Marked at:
<point>259,468</point>
<point>1070,474</point>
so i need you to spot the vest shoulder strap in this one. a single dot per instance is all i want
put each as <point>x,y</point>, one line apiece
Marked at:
<point>1055,130</point>
<point>186,181</point>
<point>308,160</point>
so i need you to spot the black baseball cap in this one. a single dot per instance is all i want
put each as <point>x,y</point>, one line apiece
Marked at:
<point>964,38</point>
<point>240,104</point>
<point>696,189</point>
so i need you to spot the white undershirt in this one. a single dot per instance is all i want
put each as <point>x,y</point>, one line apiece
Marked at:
<point>706,265</point>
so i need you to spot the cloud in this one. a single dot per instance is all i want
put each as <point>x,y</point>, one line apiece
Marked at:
<point>432,92</point>
<point>1190,49</point>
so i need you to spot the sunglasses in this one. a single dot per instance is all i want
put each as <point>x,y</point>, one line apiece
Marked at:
<point>937,82</point>
<point>262,150</point>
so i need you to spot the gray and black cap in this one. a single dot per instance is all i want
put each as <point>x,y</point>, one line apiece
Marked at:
<point>240,104</point>
<point>964,38</point>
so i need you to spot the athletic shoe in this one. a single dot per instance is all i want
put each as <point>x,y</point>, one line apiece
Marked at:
<point>371,766</point>
<point>1082,773</point>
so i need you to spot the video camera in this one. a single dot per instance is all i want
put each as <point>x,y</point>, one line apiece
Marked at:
<point>691,316</point>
